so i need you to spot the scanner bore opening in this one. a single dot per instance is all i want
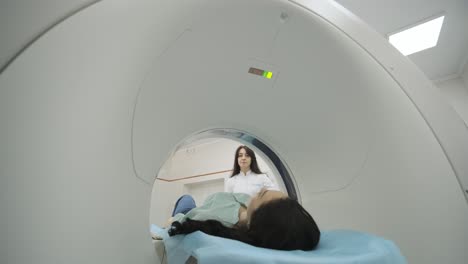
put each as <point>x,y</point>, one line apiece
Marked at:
<point>188,171</point>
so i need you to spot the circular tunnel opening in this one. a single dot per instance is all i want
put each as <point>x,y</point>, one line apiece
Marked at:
<point>200,164</point>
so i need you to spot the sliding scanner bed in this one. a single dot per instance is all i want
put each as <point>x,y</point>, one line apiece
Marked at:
<point>335,247</point>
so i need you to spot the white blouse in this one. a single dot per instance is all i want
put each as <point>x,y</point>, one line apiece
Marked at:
<point>250,183</point>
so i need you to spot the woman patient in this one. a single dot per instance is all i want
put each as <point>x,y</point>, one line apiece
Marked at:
<point>271,220</point>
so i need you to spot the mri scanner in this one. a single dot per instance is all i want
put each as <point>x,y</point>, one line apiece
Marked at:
<point>94,107</point>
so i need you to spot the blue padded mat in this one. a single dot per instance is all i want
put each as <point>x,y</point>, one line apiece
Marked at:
<point>336,246</point>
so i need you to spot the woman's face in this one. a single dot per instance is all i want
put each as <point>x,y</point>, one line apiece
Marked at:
<point>262,197</point>
<point>244,159</point>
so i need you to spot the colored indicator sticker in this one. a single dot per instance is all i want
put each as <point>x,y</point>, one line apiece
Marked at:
<point>265,74</point>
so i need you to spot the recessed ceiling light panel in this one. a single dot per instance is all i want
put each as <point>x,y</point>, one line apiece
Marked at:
<point>417,38</point>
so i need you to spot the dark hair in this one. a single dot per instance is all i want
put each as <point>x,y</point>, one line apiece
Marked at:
<point>253,164</point>
<point>279,224</point>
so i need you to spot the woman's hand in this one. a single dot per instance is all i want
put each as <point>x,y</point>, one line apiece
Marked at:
<point>175,229</point>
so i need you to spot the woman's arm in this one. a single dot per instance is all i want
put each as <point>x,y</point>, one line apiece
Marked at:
<point>268,183</point>
<point>210,227</point>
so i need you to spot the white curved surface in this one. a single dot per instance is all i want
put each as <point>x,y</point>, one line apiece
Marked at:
<point>342,118</point>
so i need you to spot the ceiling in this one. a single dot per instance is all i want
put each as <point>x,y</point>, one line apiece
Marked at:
<point>22,21</point>
<point>442,62</point>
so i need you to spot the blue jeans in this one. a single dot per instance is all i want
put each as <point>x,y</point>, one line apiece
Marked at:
<point>184,204</point>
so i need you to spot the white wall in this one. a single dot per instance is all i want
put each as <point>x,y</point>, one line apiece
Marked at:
<point>455,91</point>
<point>207,157</point>
<point>464,76</point>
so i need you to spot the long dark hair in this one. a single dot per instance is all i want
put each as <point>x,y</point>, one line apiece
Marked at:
<point>253,164</point>
<point>279,224</point>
